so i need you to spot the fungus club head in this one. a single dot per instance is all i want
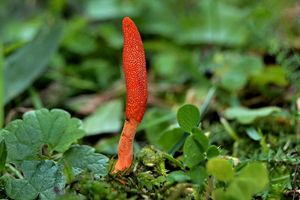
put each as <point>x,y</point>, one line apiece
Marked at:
<point>134,65</point>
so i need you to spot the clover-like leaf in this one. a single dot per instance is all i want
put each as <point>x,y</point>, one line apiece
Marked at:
<point>170,138</point>
<point>198,175</point>
<point>256,173</point>
<point>200,138</point>
<point>188,117</point>
<point>41,178</point>
<point>192,151</point>
<point>39,130</point>
<point>212,151</point>
<point>252,179</point>
<point>220,168</point>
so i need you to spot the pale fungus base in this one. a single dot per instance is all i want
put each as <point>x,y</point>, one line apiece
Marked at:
<point>126,146</point>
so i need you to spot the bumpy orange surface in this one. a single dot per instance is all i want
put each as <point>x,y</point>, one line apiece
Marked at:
<point>134,65</point>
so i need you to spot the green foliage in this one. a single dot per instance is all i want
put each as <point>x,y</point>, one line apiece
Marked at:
<point>83,158</point>
<point>235,60</point>
<point>108,146</point>
<point>212,151</point>
<point>29,62</point>
<point>110,122</point>
<point>40,148</point>
<point>234,70</point>
<point>108,9</point>
<point>155,123</point>
<point>178,176</point>
<point>170,139</point>
<point>200,138</point>
<point>251,180</point>
<point>271,75</point>
<point>196,146</point>
<point>1,86</point>
<point>188,116</point>
<point>198,175</point>
<point>220,168</point>
<point>193,154</point>
<point>3,155</point>
<point>247,116</point>
<point>41,178</point>
<point>256,175</point>
<point>40,134</point>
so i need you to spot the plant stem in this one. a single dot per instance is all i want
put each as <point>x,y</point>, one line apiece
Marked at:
<point>209,188</point>
<point>15,171</point>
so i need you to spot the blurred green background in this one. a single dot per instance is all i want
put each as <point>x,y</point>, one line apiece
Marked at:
<point>237,60</point>
<point>67,54</point>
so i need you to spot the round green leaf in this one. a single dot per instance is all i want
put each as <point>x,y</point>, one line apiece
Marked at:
<point>169,139</point>
<point>178,176</point>
<point>220,168</point>
<point>193,155</point>
<point>258,174</point>
<point>201,138</point>
<point>188,117</point>
<point>198,175</point>
<point>240,189</point>
<point>212,152</point>
<point>218,194</point>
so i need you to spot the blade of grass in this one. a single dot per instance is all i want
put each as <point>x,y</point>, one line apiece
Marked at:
<point>1,88</point>
<point>28,63</point>
<point>229,129</point>
<point>210,95</point>
<point>35,98</point>
<point>3,155</point>
<point>233,135</point>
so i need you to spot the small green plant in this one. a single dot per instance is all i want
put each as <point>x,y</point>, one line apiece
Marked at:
<point>243,184</point>
<point>193,164</point>
<point>239,60</point>
<point>42,157</point>
<point>205,164</point>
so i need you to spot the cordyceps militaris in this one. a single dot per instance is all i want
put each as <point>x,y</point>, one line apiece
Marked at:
<point>134,66</point>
